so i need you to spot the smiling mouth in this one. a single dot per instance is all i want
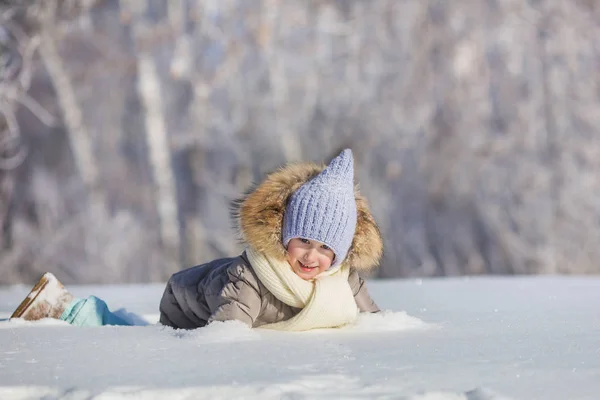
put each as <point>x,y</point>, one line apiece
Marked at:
<point>306,268</point>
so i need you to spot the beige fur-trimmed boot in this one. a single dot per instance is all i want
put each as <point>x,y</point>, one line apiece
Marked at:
<point>47,299</point>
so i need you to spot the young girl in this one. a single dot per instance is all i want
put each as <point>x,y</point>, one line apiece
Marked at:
<point>307,232</point>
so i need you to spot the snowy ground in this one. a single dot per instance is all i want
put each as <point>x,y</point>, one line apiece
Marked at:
<point>473,339</point>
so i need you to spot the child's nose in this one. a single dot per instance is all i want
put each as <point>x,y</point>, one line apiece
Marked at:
<point>310,254</point>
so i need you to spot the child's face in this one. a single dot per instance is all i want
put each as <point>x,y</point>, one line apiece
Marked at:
<point>309,258</point>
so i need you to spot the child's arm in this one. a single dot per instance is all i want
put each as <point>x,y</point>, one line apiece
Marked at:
<point>238,300</point>
<point>361,295</point>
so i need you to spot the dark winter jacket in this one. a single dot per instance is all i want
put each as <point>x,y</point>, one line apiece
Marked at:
<point>228,288</point>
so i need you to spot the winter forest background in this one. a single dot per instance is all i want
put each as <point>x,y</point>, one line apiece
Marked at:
<point>128,126</point>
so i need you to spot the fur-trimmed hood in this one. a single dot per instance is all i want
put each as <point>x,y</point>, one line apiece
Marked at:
<point>259,217</point>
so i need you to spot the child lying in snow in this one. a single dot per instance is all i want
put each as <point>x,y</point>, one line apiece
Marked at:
<point>307,232</point>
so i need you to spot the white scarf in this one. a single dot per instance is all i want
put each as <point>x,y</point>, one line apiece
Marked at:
<point>326,302</point>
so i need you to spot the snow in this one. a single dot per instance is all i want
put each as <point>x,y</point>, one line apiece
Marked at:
<point>439,339</point>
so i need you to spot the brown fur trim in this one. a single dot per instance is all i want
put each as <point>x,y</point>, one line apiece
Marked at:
<point>259,217</point>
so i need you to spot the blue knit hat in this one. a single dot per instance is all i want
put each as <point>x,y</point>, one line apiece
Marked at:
<point>324,208</point>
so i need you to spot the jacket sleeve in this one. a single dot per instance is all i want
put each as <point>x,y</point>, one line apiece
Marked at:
<point>178,306</point>
<point>171,313</point>
<point>359,288</point>
<point>239,299</point>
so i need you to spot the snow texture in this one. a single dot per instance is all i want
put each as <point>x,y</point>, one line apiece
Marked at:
<point>439,339</point>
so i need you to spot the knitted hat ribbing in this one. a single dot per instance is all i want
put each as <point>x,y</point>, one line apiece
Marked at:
<point>324,208</point>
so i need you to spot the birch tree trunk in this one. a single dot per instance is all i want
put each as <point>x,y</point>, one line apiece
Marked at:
<point>149,91</point>
<point>78,134</point>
